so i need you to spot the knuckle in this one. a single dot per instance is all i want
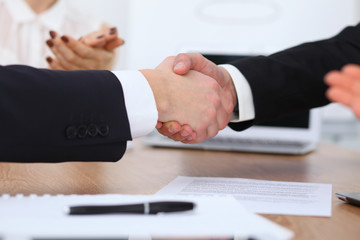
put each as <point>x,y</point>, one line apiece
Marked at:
<point>214,86</point>
<point>162,131</point>
<point>229,108</point>
<point>216,101</point>
<point>84,53</point>
<point>181,56</point>
<point>170,58</point>
<point>70,58</point>
<point>211,114</point>
<point>198,56</point>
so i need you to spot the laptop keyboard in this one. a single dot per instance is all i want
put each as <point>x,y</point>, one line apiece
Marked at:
<point>256,142</point>
<point>236,144</point>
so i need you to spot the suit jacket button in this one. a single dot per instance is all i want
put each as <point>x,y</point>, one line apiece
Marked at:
<point>82,131</point>
<point>92,130</point>
<point>104,130</point>
<point>71,132</point>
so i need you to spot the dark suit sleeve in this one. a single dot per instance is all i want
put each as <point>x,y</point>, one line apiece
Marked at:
<point>56,116</point>
<point>293,80</point>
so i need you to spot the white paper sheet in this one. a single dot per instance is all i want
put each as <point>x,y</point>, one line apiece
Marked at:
<point>260,196</point>
<point>44,217</point>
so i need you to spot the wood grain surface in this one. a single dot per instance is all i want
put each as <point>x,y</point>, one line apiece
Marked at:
<point>145,170</point>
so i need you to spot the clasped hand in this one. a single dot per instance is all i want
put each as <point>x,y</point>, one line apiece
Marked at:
<point>195,98</point>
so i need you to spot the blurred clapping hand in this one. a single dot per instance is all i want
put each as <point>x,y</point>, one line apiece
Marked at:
<point>344,87</point>
<point>93,51</point>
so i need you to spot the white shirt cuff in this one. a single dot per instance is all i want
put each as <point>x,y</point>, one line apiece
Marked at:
<point>244,94</point>
<point>139,102</point>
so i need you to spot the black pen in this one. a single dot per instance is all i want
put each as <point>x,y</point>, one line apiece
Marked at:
<point>141,208</point>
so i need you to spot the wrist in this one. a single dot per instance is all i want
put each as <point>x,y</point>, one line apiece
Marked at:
<point>229,87</point>
<point>154,79</point>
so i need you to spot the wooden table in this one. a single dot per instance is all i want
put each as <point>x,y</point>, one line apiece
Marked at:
<point>145,170</point>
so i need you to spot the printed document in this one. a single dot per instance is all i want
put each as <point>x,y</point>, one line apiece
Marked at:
<point>44,217</point>
<point>260,196</point>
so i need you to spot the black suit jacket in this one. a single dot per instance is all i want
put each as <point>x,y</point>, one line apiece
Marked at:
<point>55,116</point>
<point>293,80</point>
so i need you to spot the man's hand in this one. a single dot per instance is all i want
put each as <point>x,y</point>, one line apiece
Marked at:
<point>344,87</point>
<point>183,63</point>
<point>94,51</point>
<point>194,99</point>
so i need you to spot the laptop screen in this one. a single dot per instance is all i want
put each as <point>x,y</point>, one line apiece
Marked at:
<point>296,120</point>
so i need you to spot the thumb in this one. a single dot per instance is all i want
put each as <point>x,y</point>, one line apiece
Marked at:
<point>185,62</point>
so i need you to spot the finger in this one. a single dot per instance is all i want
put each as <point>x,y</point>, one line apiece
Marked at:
<point>79,48</point>
<point>101,42</point>
<point>111,34</point>
<point>203,134</point>
<point>352,70</point>
<point>338,79</point>
<point>192,61</point>
<point>200,137</point>
<point>195,61</point>
<point>65,56</point>
<point>356,108</point>
<point>212,131</point>
<point>96,39</point>
<point>184,62</point>
<point>56,41</point>
<point>340,95</point>
<point>170,128</point>
<point>190,138</point>
<point>53,64</point>
<point>158,124</point>
<point>183,134</point>
<point>114,44</point>
<point>100,38</point>
<point>346,98</point>
<point>59,55</point>
<point>331,77</point>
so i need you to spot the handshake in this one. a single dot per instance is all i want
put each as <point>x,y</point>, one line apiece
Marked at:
<point>194,97</point>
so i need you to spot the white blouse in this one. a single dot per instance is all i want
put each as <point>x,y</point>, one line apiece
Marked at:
<point>23,32</point>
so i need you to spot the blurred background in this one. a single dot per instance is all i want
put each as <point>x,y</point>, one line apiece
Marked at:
<point>154,29</point>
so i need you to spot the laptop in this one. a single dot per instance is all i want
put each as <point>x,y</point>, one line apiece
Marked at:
<point>297,133</point>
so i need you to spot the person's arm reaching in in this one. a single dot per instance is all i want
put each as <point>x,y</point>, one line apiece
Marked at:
<point>90,115</point>
<point>344,87</point>
<point>291,80</point>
